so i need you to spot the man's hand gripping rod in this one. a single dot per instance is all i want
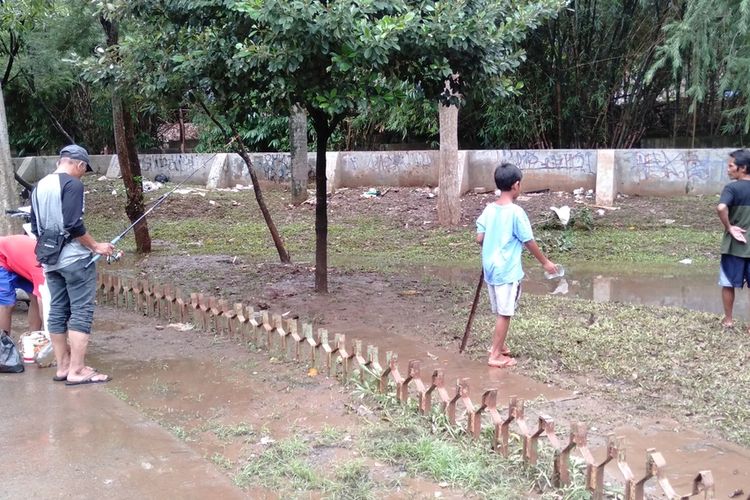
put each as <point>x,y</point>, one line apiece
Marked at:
<point>156,204</point>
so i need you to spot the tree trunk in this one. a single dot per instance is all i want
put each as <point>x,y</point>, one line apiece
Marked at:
<point>321,216</point>
<point>130,168</point>
<point>449,198</point>
<point>298,152</point>
<point>280,248</point>
<point>182,131</point>
<point>324,126</point>
<point>127,155</point>
<point>235,137</point>
<point>8,195</point>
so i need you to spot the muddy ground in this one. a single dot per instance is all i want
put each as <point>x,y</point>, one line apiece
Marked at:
<point>166,378</point>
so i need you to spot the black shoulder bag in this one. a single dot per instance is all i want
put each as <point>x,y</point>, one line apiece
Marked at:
<point>49,243</point>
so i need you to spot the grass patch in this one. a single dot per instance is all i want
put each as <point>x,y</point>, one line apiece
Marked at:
<point>329,436</point>
<point>351,481</point>
<point>229,432</point>
<point>221,461</point>
<point>677,360</point>
<point>284,466</point>
<point>429,446</point>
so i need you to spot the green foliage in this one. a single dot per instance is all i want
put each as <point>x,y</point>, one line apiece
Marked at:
<point>283,466</point>
<point>41,39</point>
<point>706,48</point>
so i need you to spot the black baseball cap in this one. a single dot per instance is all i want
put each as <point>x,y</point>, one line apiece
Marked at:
<point>76,152</point>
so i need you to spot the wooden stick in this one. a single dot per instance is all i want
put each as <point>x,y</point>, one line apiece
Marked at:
<point>471,313</point>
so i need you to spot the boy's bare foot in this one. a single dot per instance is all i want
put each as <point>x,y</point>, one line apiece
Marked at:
<point>503,362</point>
<point>505,351</point>
<point>727,323</point>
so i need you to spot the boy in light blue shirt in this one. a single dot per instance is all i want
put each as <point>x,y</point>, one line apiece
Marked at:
<point>504,230</point>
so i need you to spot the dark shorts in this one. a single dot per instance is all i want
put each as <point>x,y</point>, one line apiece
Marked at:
<point>72,293</point>
<point>735,271</point>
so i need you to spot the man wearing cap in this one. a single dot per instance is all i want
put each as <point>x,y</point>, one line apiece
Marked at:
<point>57,204</point>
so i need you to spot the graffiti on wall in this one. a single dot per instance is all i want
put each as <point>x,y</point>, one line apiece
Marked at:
<point>174,165</point>
<point>271,166</point>
<point>389,162</point>
<point>687,166</point>
<point>572,162</point>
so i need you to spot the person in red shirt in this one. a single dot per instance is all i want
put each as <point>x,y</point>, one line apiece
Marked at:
<point>20,269</point>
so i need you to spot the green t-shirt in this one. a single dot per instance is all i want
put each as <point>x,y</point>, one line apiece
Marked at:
<point>736,196</point>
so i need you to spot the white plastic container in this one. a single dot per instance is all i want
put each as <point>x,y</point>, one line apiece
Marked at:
<point>27,347</point>
<point>559,274</point>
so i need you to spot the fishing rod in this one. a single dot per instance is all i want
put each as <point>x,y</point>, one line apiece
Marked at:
<point>158,202</point>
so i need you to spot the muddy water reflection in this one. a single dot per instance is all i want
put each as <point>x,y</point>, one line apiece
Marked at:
<point>698,291</point>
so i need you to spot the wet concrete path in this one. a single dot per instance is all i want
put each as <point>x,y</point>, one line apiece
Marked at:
<point>83,442</point>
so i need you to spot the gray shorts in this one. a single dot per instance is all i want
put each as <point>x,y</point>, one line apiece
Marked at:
<point>72,294</point>
<point>504,298</point>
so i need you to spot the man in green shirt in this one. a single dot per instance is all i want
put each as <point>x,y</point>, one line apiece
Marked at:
<point>734,214</point>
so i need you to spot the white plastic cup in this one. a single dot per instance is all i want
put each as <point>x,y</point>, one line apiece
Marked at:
<point>559,274</point>
<point>28,345</point>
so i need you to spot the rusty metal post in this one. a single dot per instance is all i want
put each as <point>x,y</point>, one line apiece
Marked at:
<point>149,297</point>
<point>237,322</point>
<point>268,329</point>
<point>229,318</point>
<point>345,355</point>
<point>137,295</point>
<point>362,361</point>
<point>414,375</point>
<point>330,351</point>
<point>282,333</point>
<point>127,291</point>
<point>213,315</point>
<point>489,402</point>
<point>307,331</point>
<point>515,411</point>
<point>437,385</point>
<point>402,393</point>
<point>704,482</point>
<point>256,327</point>
<point>563,464</point>
<point>157,291</point>
<point>117,289</point>
<point>373,361</point>
<point>183,306</point>
<point>595,471</point>
<point>204,304</point>
<point>297,336</point>
<point>169,302</point>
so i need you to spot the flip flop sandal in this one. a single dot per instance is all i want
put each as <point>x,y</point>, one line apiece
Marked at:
<point>89,379</point>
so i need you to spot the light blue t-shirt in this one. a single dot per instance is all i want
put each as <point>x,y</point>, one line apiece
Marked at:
<point>506,228</point>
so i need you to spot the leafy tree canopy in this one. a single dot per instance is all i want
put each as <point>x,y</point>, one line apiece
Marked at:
<point>708,42</point>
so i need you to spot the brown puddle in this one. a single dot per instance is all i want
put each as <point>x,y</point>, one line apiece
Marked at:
<point>698,291</point>
<point>455,366</point>
<point>686,454</point>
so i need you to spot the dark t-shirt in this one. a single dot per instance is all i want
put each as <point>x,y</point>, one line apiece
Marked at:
<point>736,196</point>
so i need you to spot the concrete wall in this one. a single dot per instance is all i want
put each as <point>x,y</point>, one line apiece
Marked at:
<point>388,168</point>
<point>559,170</point>
<point>635,171</point>
<point>671,171</point>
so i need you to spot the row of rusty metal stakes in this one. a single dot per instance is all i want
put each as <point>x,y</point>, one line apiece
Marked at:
<point>298,341</point>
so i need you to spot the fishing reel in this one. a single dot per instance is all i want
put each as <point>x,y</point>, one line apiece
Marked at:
<point>115,257</point>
